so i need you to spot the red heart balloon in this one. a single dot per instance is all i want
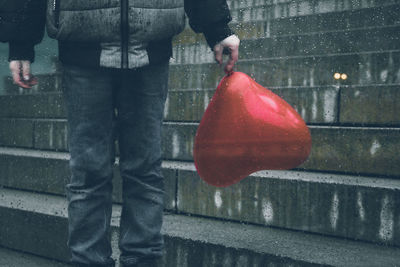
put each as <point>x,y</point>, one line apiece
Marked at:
<point>247,128</point>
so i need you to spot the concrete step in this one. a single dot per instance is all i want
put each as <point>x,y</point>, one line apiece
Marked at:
<point>46,83</point>
<point>190,241</point>
<point>355,207</point>
<point>256,21</point>
<point>355,150</point>
<point>352,150</point>
<point>370,105</point>
<point>316,104</point>
<point>33,105</point>
<point>339,105</point>
<point>377,16</point>
<point>377,39</point>
<point>46,171</point>
<point>369,68</point>
<point>289,8</point>
<point>13,258</point>
<point>366,105</point>
<point>367,56</point>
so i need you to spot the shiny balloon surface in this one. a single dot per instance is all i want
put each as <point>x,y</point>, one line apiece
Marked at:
<point>247,128</point>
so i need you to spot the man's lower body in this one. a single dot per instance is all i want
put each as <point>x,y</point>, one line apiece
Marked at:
<point>92,96</point>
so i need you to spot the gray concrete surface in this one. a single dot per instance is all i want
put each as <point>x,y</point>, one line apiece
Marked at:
<point>357,207</point>
<point>204,241</point>
<point>13,258</point>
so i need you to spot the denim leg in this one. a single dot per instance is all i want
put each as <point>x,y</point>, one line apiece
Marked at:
<point>89,97</point>
<point>140,103</point>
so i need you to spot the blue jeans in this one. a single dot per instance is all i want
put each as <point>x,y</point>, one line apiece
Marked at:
<point>104,104</point>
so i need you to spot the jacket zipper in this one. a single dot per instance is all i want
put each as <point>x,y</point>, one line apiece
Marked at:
<point>56,11</point>
<point>124,33</point>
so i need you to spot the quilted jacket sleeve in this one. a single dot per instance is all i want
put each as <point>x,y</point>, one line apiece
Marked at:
<point>210,17</point>
<point>22,26</point>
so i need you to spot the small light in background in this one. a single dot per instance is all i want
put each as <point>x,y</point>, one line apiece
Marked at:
<point>339,76</point>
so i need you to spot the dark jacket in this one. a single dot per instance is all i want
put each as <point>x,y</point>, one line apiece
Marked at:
<point>106,32</point>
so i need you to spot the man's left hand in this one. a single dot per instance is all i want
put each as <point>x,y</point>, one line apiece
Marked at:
<point>231,44</point>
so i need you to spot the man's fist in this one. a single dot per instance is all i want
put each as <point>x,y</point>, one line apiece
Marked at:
<point>230,44</point>
<point>21,73</point>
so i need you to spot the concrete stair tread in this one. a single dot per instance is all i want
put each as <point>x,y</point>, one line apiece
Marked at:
<point>296,246</point>
<point>329,178</point>
<point>189,166</point>
<point>12,258</point>
<point>356,207</point>
<point>376,153</point>
<point>359,105</point>
<point>46,84</point>
<point>255,22</point>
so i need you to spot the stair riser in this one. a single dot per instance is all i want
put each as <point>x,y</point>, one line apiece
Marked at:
<point>261,22</point>
<point>316,105</point>
<point>347,42</point>
<point>187,253</point>
<point>366,151</point>
<point>370,68</point>
<point>362,209</point>
<point>374,105</point>
<point>50,175</point>
<point>49,105</point>
<point>361,69</point>
<point>349,211</point>
<point>49,239</point>
<point>35,233</point>
<point>370,105</point>
<point>287,8</point>
<point>371,151</point>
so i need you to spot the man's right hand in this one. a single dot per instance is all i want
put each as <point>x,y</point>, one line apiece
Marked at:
<point>21,73</point>
<point>230,43</point>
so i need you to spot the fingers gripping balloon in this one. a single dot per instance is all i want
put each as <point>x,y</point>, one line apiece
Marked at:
<point>247,128</point>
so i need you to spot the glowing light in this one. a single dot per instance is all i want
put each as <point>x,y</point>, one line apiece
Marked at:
<point>343,76</point>
<point>336,76</point>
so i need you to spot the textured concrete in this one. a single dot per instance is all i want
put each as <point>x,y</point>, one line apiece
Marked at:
<point>315,104</point>
<point>48,172</point>
<point>46,83</point>
<point>370,68</point>
<point>347,206</point>
<point>187,105</point>
<point>34,170</point>
<point>178,141</point>
<point>336,21</point>
<point>252,21</point>
<point>371,151</point>
<point>16,133</point>
<point>51,134</point>
<point>287,8</point>
<point>338,42</point>
<point>12,258</point>
<point>356,150</point>
<point>370,105</point>
<point>353,207</point>
<point>41,105</point>
<point>358,105</point>
<point>190,241</point>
